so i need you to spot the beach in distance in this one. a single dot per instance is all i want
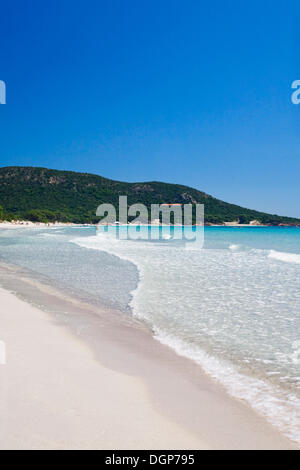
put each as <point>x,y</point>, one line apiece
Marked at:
<point>101,354</point>
<point>29,224</point>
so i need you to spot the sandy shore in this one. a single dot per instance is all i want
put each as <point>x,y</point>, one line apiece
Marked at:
<point>28,224</point>
<point>78,377</point>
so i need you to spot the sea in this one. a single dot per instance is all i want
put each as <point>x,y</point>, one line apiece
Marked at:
<point>232,304</point>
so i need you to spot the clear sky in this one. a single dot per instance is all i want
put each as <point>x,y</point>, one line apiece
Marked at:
<point>192,92</point>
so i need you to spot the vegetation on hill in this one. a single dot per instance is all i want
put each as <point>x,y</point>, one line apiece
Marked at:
<point>40,194</point>
<point>2,214</point>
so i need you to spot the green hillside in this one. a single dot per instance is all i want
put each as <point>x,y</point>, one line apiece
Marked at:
<point>40,194</point>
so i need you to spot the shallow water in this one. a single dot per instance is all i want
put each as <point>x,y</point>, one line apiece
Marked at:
<point>233,306</point>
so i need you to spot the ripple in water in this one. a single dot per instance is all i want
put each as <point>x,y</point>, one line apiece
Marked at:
<point>232,307</point>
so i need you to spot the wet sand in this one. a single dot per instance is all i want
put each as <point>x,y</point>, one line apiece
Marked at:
<point>82,377</point>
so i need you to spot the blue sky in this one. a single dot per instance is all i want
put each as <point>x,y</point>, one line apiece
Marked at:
<point>191,92</point>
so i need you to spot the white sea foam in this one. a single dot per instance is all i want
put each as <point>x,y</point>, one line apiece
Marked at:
<point>283,411</point>
<point>286,257</point>
<point>234,247</point>
<point>229,311</point>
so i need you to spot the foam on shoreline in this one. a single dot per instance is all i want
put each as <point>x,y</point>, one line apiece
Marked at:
<point>279,407</point>
<point>124,357</point>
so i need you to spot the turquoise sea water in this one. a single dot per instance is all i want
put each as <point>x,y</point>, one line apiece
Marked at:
<point>233,306</point>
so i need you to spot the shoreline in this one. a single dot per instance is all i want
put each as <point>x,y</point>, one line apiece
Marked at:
<point>28,224</point>
<point>167,401</point>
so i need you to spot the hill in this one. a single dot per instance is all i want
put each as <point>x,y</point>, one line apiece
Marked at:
<point>41,194</point>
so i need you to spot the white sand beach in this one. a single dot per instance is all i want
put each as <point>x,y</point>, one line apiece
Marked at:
<point>109,385</point>
<point>149,228</point>
<point>55,395</point>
